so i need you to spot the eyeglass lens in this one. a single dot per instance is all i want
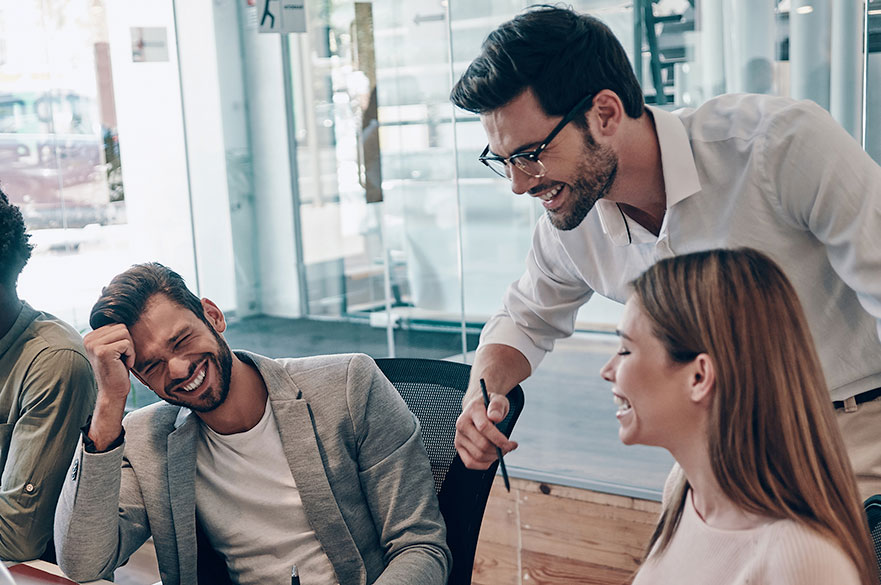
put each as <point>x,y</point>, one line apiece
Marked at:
<point>533,168</point>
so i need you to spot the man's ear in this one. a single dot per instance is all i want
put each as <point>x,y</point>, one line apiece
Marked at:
<point>214,315</point>
<point>607,111</point>
<point>703,379</point>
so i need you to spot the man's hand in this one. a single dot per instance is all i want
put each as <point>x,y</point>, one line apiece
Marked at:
<point>476,434</point>
<point>502,367</point>
<point>112,354</point>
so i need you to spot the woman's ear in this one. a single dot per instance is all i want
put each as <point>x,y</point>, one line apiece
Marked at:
<point>214,315</point>
<point>608,111</point>
<point>703,378</point>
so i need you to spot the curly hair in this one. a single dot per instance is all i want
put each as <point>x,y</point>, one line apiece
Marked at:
<point>14,247</point>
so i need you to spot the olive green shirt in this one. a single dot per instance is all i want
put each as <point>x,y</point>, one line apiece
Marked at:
<point>46,393</point>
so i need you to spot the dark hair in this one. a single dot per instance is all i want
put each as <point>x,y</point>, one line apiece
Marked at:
<point>562,55</point>
<point>14,247</point>
<point>123,300</point>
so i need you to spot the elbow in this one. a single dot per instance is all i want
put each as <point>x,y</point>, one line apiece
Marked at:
<point>78,563</point>
<point>426,564</point>
<point>24,535</point>
<point>78,569</point>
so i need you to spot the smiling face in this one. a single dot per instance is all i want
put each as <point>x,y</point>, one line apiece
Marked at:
<point>181,358</point>
<point>653,393</point>
<point>580,171</point>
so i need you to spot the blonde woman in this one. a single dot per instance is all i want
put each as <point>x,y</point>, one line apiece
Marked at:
<point>716,365</point>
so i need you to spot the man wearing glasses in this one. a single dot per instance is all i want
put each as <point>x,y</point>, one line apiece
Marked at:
<point>625,185</point>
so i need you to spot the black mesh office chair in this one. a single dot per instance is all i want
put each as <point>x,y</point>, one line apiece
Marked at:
<point>873,515</point>
<point>433,389</point>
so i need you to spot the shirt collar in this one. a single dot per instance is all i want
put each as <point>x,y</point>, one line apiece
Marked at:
<point>680,175</point>
<point>677,161</point>
<point>25,316</point>
<point>182,415</point>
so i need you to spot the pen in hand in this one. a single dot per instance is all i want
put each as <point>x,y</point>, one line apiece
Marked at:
<point>498,449</point>
<point>295,576</point>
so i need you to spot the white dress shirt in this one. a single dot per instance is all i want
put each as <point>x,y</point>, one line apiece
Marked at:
<point>742,170</point>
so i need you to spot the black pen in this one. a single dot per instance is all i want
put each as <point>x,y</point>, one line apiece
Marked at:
<point>498,449</point>
<point>295,576</point>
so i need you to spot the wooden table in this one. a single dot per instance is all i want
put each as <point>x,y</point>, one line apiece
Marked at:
<point>49,568</point>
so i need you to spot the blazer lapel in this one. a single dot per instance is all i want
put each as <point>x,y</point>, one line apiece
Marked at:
<point>181,464</point>
<point>297,430</point>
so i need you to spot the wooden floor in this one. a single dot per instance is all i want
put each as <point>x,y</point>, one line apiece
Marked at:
<point>538,534</point>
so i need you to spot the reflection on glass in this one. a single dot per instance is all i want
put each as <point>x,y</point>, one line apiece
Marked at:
<point>396,261</point>
<point>363,91</point>
<point>58,161</point>
<point>59,147</point>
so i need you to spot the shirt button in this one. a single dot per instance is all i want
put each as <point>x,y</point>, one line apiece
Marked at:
<point>29,488</point>
<point>664,250</point>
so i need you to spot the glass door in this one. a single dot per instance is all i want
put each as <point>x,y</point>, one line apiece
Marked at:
<point>379,211</point>
<point>59,147</point>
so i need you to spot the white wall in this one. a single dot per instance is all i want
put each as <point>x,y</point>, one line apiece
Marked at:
<point>206,154</point>
<point>176,140</point>
<point>171,145</point>
<point>873,106</point>
<point>239,167</point>
<point>810,48</point>
<point>150,122</point>
<point>273,192</point>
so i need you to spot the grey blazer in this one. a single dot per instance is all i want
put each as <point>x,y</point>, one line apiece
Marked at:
<point>355,452</point>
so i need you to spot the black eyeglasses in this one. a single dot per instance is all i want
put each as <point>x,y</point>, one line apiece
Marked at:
<point>528,162</point>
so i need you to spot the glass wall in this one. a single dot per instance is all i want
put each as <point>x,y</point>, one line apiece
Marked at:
<point>59,145</point>
<point>68,112</point>
<point>324,176</point>
<point>374,125</point>
<point>403,227</point>
<point>92,147</point>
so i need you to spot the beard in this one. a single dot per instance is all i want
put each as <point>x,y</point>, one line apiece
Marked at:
<point>595,177</point>
<point>213,397</point>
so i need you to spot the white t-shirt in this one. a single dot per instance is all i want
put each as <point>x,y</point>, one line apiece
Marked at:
<point>250,508</point>
<point>781,552</point>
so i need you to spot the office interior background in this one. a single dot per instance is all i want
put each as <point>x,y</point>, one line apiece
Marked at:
<point>322,190</point>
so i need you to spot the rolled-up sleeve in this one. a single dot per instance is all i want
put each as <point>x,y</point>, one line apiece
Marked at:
<point>57,396</point>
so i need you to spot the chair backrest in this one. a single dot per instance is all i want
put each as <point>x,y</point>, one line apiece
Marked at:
<point>433,389</point>
<point>873,515</point>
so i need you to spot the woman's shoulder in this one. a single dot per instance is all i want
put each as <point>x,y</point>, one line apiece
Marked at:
<point>794,553</point>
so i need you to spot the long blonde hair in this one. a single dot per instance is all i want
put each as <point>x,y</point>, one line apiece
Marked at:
<point>774,444</point>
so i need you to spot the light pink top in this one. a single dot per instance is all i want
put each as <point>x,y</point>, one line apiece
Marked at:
<point>781,552</point>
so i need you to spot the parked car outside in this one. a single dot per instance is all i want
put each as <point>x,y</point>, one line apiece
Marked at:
<point>56,161</point>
